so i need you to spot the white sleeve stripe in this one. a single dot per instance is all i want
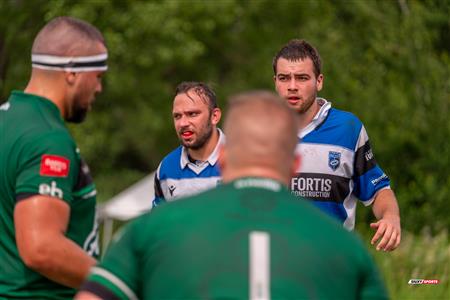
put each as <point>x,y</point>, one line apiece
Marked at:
<point>116,281</point>
<point>55,59</point>
<point>70,69</point>
<point>362,139</point>
<point>91,194</point>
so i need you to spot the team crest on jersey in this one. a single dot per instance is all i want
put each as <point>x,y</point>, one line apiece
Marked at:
<point>54,166</point>
<point>334,160</point>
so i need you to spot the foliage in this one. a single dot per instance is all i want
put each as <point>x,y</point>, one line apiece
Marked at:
<point>420,256</point>
<point>386,61</point>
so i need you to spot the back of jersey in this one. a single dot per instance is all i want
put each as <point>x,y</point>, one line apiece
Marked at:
<point>251,238</point>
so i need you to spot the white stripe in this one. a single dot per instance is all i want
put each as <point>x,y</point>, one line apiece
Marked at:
<point>53,59</point>
<point>350,208</point>
<point>185,187</point>
<point>79,69</point>
<point>362,139</point>
<point>315,159</point>
<point>91,194</point>
<point>114,280</point>
<point>259,265</point>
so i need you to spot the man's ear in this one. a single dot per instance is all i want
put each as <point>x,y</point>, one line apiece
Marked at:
<point>216,114</point>
<point>319,82</point>
<point>71,78</point>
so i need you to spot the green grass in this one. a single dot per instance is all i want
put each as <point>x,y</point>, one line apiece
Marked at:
<point>418,257</point>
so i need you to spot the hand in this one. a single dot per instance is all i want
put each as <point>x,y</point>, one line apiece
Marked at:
<point>389,231</point>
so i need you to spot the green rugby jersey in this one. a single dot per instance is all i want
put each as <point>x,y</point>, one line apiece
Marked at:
<point>246,239</point>
<point>39,156</point>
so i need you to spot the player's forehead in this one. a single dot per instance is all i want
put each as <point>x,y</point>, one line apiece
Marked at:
<point>299,66</point>
<point>189,101</point>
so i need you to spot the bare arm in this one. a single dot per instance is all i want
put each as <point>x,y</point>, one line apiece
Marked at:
<point>40,224</point>
<point>388,229</point>
<point>83,295</point>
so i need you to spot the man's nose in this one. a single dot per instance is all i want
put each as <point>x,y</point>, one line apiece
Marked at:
<point>183,121</point>
<point>292,84</point>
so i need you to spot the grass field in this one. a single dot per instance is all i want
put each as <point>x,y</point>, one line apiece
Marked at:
<point>418,257</point>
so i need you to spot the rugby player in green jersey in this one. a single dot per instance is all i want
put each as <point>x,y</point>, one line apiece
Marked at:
<point>247,239</point>
<point>49,235</point>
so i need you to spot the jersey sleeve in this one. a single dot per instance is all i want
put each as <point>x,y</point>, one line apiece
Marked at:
<point>117,276</point>
<point>369,178</point>
<point>159,195</point>
<point>49,165</point>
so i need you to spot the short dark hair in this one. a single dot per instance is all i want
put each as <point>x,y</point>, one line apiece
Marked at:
<point>66,36</point>
<point>298,50</point>
<point>201,89</point>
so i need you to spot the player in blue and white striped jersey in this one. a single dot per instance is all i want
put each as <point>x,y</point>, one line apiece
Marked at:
<point>338,163</point>
<point>192,167</point>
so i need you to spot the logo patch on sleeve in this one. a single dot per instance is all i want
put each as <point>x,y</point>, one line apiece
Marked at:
<point>54,166</point>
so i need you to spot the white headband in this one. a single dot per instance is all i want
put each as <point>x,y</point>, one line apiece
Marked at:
<point>70,63</point>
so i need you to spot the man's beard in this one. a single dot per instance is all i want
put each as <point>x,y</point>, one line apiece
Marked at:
<point>78,114</point>
<point>201,140</point>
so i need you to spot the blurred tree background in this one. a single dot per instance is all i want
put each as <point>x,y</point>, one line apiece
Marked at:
<point>387,61</point>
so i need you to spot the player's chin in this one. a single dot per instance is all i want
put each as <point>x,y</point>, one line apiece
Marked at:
<point>188,143</point>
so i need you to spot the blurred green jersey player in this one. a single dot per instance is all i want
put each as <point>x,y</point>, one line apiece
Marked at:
<point>249,238</point>
<point>48,228</point>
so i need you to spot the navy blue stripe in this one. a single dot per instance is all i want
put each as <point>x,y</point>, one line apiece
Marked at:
<point>320,187</point>
<point>23,196</point>
<point>99,290</point>
<point>73,64</point>
<point>364,159</point>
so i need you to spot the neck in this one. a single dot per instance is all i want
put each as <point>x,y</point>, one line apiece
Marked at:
<point>48,88</point>
<point>236,173</point>
<point>207,149</point>
<point>306,118</point>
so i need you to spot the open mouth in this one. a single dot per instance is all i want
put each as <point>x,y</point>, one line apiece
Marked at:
<point>293,100</point>
<point>187,134</point>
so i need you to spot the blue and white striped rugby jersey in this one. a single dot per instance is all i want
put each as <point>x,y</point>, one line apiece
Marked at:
<point>338,166</point>
<point>177,176</point>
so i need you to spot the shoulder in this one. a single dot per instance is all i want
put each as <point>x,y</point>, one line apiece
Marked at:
<point>171,161</point>
<point>340,128</point>
<point>344,118</point>
<point>50,138</point>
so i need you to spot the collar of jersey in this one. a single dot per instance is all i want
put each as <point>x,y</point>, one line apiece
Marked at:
<point>258,182</point>
<point>325,107</point>
<point>51,107</point>
<point>212,159</point>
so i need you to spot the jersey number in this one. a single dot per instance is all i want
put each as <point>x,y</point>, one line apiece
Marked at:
<point>259,265</point>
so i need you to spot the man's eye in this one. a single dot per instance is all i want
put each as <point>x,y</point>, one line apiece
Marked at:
<point>193,114</point>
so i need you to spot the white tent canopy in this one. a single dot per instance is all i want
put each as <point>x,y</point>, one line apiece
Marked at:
<point>128,204</point>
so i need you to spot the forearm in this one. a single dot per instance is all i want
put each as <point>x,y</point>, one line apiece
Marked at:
<point>385,205</point>
<point>388,229</point>
<point>60,260</point>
